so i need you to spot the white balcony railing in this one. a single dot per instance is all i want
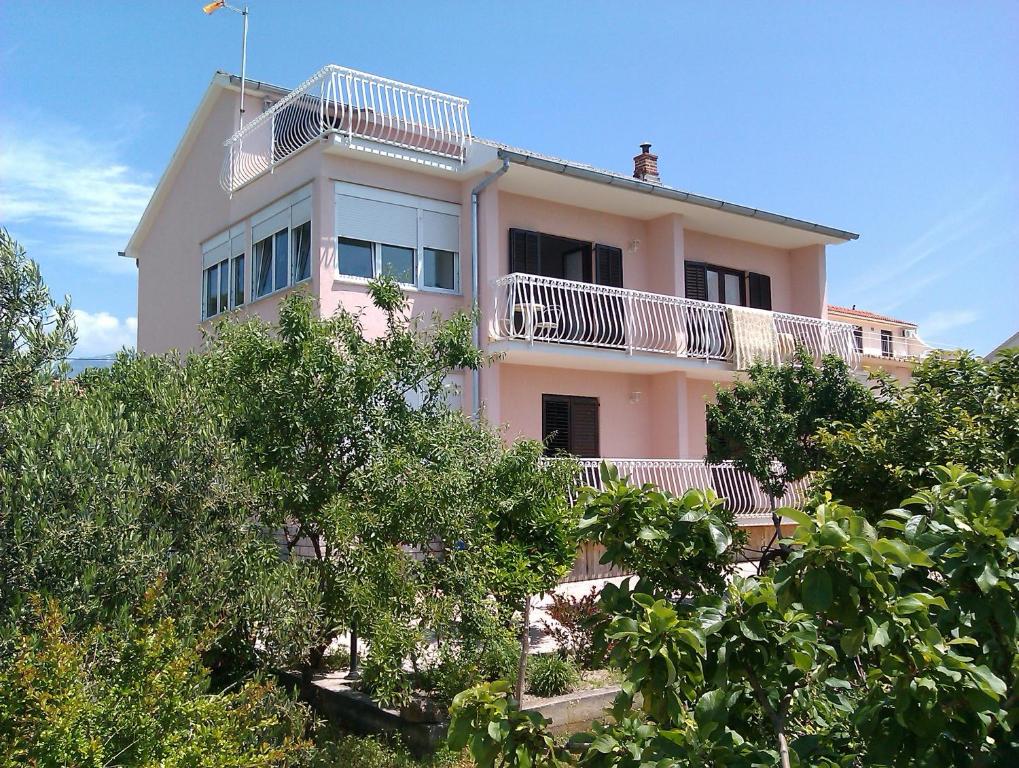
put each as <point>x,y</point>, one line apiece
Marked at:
<point>353,104</point>
<point>742,493</point>
<point>894,347</point>
<point>545,309</point>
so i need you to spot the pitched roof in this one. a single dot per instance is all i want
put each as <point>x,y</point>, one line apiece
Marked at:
<point>866,314</point>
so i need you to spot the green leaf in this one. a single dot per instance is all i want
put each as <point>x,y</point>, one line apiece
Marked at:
<point>816,590</point>
<point>832,535</point>
<point>523,756</point>
<point>796,515</point>
<point>988,578</point>
<point>720,537</point>
<point>711,709</point>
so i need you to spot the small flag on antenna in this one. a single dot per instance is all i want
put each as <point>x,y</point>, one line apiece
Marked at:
<point>210,7</point>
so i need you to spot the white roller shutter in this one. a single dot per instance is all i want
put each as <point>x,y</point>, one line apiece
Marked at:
<point>440,230</point>
<point>376,221</point>
<point>270,226</point>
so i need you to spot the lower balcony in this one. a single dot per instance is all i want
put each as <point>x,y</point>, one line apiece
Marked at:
<point>550,312</point>
<point>742,493</point>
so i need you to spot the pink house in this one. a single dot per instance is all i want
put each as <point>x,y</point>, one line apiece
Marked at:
<point>617,302</point>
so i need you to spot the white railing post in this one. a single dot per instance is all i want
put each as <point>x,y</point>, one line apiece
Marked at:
<point>628,325</point>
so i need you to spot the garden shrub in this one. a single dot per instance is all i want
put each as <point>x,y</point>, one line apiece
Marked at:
<point>575,621</point>
<point>680,546</point>
<point>549,674</point>
<point>135,694</point>
<point>349,751</point>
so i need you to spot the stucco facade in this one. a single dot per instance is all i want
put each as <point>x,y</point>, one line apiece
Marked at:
<point>650,399</point>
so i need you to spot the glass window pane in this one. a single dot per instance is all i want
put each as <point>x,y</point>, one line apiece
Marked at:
<point>238,274</point>
<point>224,286</point>
<point>732,289</point>
<point>263,267</point>
<point>712,279</point>
<point>280,254</point>
<point>211,290</point>
<point>440,269</point>
<point>355,258</point>
<point>302,252</point>
<point>398,262</point>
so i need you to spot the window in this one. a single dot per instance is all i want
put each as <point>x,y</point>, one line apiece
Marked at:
<point>440,270</point>
<point>397,262</point>
<point>238,280</point>
<point>302,252</point>
<point>858,337</point>
<point>223,271</point>
<point>282,249</point>
<point>886,343</point>
<point>413,239</point>
<point>569,424</point>
<point>355,258</point>
<point>708,282</point>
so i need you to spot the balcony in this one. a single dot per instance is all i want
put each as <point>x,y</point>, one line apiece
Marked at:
<point>909,349</point>
<point>354,105</point>
<point>565,313</point>
<point>742,494</point>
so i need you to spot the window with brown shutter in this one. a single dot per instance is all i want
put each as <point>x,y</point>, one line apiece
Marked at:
<point>760,290</point>
<point>696,281</point>
<point>569,424</point>
<point>608,265</point>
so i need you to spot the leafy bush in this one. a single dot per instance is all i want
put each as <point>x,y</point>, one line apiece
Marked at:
<point>956,410</point>
<point>679,546</point>
<point>347,751</point>
<point>549,674</point>
<point>891,645</point>
<point>135,694</point>
<point>575,621</point>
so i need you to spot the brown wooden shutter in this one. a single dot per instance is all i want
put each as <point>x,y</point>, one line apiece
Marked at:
<point>523,251</point>
<point>584,437</point>
<point>608,265</point>
<point>555,423</point>
<point>760,291</point>
<point>696,281</point>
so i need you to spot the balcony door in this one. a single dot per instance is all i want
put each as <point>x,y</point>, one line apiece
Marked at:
<point>720,285</point>
<point>568,313</point>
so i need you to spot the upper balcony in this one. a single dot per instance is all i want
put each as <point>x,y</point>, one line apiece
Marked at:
<point>889,346</point>
<point>353,105</point>
<point>559,315</point>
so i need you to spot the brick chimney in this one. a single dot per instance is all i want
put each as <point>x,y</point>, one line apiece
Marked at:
<point>645,165</point>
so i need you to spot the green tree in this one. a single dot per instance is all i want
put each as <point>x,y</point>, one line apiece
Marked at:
<point>123,478</point>
<point>36,333</point>
<point>412,515</point>
<point>890,645</point>
<point>957,409</point>
<point>767,425</point>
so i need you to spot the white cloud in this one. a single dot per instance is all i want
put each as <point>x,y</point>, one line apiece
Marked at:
<point>101,333</point>
<point>942,323</point>
<point>89,202</point>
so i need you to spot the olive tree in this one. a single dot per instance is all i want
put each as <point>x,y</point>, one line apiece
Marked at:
<point>36,333</point>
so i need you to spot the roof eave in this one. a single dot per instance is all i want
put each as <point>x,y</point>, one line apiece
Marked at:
<point>660,190</point>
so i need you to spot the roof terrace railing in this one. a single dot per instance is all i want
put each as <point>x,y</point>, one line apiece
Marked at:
<point>354,104</point>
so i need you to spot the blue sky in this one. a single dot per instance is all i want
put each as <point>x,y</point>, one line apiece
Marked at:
<point>899,121</point>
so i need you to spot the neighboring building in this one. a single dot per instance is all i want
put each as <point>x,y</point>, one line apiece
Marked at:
<point>617,302</point>
<point>884,343</point>
<point>1010,343</point>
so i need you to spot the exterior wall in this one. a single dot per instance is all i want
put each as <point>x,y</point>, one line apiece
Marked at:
<point>625,426</point>
<point>196,209</point>
<point>640,416</point>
